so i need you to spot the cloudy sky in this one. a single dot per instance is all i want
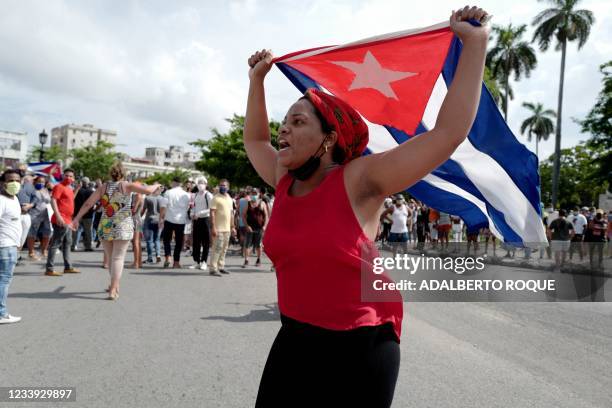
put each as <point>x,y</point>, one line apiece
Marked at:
<point>166,72</point>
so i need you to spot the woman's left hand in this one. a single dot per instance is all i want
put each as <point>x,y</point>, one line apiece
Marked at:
<point>464,30</point>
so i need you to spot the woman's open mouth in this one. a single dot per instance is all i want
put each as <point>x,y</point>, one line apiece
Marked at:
<point>283,144</point>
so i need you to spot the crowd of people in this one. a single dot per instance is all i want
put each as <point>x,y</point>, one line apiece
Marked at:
<point>580,232</point>
<point>412,222</point>
<point>187,217</point>
<point>192,217</point>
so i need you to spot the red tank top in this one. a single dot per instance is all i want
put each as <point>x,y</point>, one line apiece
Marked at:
<point>317,247</point>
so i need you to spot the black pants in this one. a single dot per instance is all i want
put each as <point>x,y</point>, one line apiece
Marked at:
<point>179,232</point>
<point>309,366</point>
<point>96,222</point>
<point>385,232</point>
<point>61,238</point>
<point>201,238</point>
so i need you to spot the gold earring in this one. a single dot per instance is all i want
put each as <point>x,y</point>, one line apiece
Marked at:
<point>325,148</point>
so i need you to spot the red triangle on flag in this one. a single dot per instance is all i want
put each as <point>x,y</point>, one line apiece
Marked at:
<point>388,81</point>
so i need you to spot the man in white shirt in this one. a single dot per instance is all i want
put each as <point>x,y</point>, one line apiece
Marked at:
<point>398,236</point>
<point>10,236</point>
<point>201,224</point>
<point>579,223</point>
<point>173,216</point>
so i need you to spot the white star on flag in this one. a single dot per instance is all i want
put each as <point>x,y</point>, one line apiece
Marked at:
<point>370,74</point>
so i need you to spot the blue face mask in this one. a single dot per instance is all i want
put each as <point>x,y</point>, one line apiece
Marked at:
<point>254,197</point>
<point>39,186</point>
<point>222,189</point>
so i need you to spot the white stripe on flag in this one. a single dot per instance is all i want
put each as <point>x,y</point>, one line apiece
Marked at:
<point>500,191</point>
<point>491,179</point>
<point>390,36</point>
<point>452,188</point>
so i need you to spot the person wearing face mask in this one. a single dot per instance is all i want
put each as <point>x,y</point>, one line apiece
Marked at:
<point>255,217</point>
<point>85,228</point>
<point>328,203</point>
<point>201,225</point>
<point>579,222</point>
<point>188,234</point>
<point>596,239</point>
<point>173,217</point>
<point>10,237</point>
<point>422,224</point>
<point>222,226</point>
<point>26,196</point>
<point>40,219</point>
<point>398,236</point>
<point>151,226</point>
<point>62,202</point>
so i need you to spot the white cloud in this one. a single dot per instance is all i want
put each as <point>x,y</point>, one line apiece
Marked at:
<point>161,72</point>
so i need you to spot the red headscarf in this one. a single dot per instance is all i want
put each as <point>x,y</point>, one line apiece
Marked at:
<point>351,129</point>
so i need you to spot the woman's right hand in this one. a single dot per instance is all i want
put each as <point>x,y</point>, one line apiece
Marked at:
<point>260,63</point>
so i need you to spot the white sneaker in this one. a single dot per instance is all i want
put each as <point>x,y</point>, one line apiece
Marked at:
<point>9,319</point>
<point>203,266</point>
<point>195,266</point>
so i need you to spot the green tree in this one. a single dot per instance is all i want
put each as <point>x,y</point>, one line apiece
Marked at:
<point>539,124</point>
<point>493,86</point>
<point>166,178</point>
<point>510,55</point>
<point>578,186</point>
<point>93,161</point>
<point>223,156</point>
<point>599,124</point>
<point>50,154</point>
<point>563,23</point>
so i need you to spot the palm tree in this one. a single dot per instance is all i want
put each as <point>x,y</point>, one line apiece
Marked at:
<point>563,23</point>
<point>538,124</point>
<point>510,55</point>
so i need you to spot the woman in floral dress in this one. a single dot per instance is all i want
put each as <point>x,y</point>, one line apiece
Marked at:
<point>116,227</point>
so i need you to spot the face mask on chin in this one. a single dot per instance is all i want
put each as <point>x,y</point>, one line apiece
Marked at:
<point>310,166</point>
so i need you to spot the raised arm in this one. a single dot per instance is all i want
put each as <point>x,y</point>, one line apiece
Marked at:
<point>399,168</point>
<point>93,198</point>
<point>257,139</point>
<point>141,188</point>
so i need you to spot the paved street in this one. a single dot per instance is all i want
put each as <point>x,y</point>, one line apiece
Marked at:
<point>183,338</point>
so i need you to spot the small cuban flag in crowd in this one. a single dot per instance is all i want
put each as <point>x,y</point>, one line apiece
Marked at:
<point>51,170</point>
<point>397,82</point>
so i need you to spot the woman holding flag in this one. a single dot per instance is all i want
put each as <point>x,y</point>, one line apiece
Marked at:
<point>334,349</point>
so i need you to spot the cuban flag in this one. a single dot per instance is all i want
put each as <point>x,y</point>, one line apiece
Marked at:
<point>397,82</point>
<point>51,170</point>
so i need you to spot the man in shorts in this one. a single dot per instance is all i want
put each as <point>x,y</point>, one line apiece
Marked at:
<point>561,232</point>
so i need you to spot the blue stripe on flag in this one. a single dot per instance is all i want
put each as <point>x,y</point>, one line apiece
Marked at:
<point>301,81</point>
<point>449,203</point>
<point>452,172</point>
<point>491,135</point>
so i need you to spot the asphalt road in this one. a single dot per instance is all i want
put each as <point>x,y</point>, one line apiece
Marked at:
<point>183,338</point>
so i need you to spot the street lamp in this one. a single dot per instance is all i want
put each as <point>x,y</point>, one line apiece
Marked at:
<point>42,138</point>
